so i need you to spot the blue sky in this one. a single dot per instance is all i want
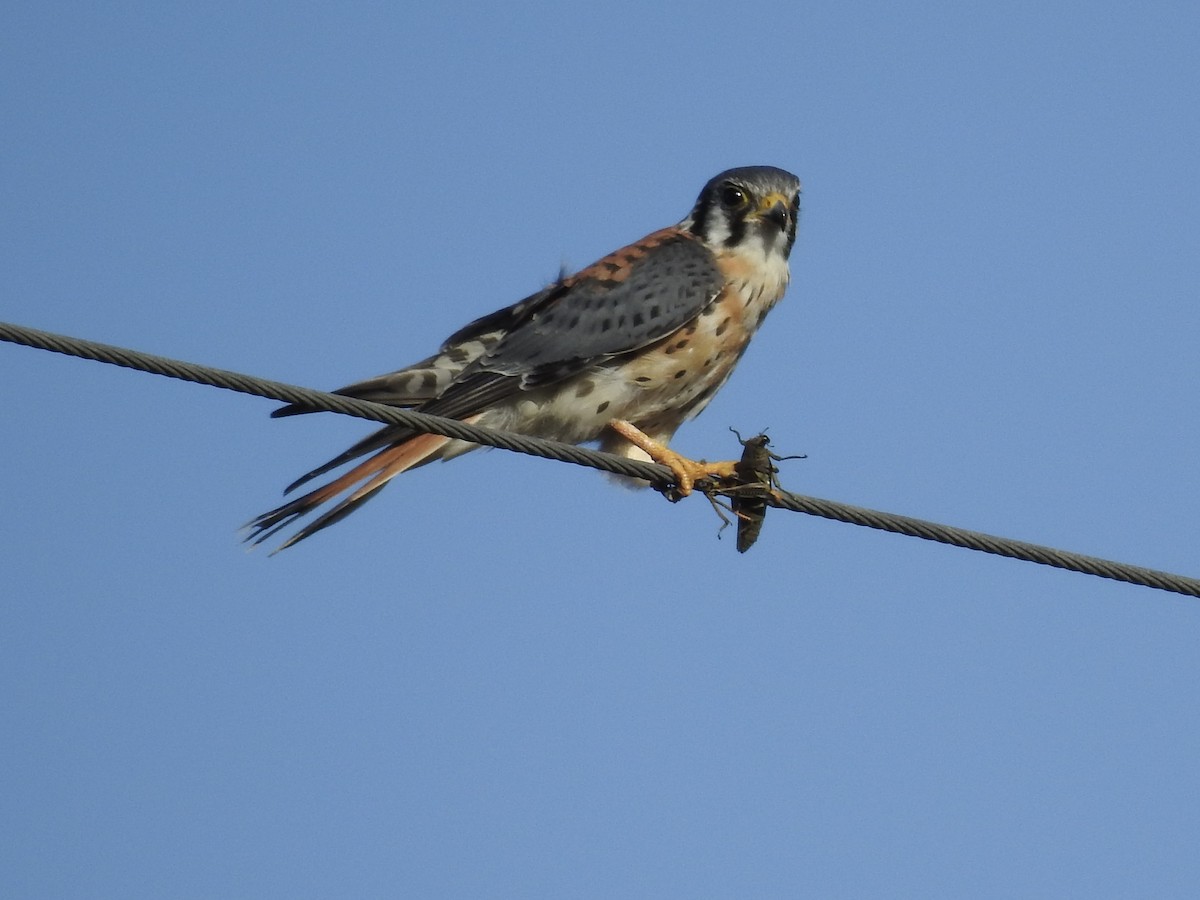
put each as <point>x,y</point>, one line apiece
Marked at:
<point>506,677</point>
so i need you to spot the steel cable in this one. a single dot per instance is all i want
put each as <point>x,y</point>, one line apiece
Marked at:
<point>656,474</point>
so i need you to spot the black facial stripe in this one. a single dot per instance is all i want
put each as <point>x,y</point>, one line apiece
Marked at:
<point>700,219</point>
<point>737,231</point>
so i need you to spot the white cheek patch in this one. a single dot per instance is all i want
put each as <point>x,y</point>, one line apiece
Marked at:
<point>718,228</point>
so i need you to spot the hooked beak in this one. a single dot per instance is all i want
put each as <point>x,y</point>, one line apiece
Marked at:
<point>774,208</point>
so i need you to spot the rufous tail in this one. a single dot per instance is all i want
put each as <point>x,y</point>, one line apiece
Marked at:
<point>370,476</point>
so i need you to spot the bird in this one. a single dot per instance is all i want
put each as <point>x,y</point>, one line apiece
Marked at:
<point>622,352</point>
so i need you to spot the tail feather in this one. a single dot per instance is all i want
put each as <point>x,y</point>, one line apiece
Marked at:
<point>384,437</point>
<point>371,475</point>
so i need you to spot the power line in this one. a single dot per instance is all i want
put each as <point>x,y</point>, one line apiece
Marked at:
<point>652,472</point>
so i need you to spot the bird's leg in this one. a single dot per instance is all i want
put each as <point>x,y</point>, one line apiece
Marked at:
<point>686,471</point>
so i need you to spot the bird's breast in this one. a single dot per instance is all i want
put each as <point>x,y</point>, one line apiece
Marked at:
<point>662,385</point>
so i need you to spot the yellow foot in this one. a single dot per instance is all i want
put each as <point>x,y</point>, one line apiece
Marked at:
<point>686,471</point>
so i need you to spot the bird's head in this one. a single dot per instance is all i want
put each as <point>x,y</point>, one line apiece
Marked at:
<point>754,206</point>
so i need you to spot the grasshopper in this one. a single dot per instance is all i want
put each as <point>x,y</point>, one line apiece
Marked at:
<point>755,480</point>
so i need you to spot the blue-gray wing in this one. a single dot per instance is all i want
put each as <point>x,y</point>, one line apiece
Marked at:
<point>620,304</point>
<point>626,301</point>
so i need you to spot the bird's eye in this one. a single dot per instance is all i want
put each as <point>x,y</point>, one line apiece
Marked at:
<point>733,197</point>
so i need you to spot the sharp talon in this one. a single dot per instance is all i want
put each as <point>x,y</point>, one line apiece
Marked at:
<point>686,471</point>
<point>671,492</point>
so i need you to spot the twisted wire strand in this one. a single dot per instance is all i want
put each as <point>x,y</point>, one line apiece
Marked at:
<point>990,543</point>
<point>583,456</point>
<point>327,402</point>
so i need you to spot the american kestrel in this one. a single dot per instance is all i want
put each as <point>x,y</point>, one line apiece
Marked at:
<point>623,352</point>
